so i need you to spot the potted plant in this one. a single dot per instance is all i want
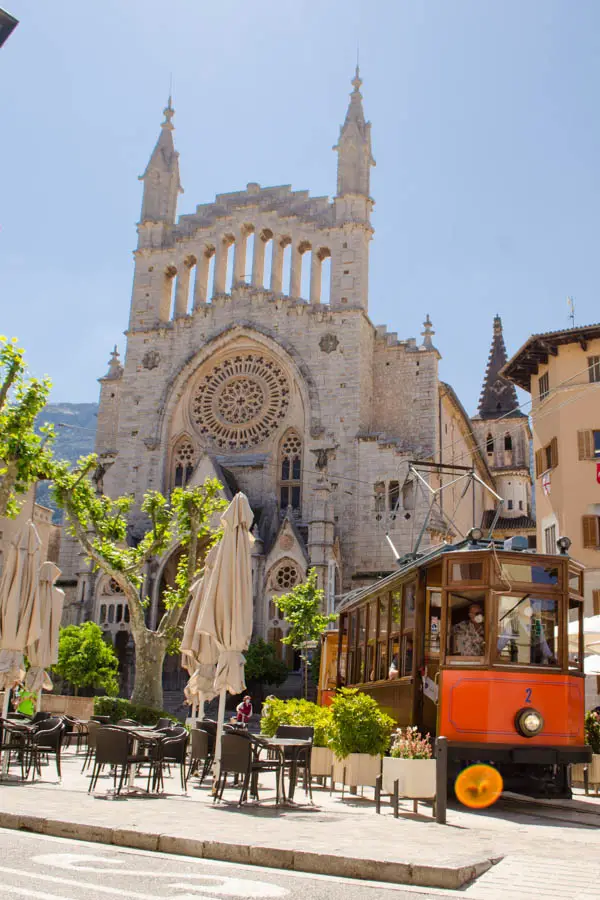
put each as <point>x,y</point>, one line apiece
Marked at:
<point>410,763</point>
<point>360,735</point>
<point>301,712</point>
<point>592,738</point>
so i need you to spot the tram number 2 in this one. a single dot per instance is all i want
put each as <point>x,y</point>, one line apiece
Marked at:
<point>528,692</point>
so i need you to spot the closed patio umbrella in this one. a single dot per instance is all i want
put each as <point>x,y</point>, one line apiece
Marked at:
<point>226,610</point>
<point>43,653</point>
<point>199,653</point>
<point>20,614</point>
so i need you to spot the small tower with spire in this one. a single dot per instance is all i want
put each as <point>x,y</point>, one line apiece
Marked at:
<point>108,408</point>
<point>504,436</point>
<point>353,206</point>
<point>161,178</point>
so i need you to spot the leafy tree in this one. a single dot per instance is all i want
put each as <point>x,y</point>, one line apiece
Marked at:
<point>25,456</point>
<point>85,659</point>
<point>301,608</point>
<point>262,665</point>
<point>100,525</point>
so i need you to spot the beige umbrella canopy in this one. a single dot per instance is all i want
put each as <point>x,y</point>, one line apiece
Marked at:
<point>199,653</point>
<point>20,613</point>
<point>43,653</point>
<point>225,614</point>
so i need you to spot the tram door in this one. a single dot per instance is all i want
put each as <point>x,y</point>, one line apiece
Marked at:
<point>431,660</point>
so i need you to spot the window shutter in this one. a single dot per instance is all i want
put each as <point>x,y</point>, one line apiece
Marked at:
<point>585,444</point>
<point>554,452</point>
<point>591,532</point>
<point>539,463</point>
<point>596,602</point>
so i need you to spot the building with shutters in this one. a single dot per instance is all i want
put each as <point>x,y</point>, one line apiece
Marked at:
<point>561,371</point>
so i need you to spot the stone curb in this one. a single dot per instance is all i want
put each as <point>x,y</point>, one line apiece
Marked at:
<point>451,877</point>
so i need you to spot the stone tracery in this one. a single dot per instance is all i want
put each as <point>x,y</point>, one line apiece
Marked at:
<point>241,400</point>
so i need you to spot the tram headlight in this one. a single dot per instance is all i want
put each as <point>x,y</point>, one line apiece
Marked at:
<point>529,722</point>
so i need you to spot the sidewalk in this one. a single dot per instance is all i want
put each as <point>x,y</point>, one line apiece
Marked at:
<point>333,836</point>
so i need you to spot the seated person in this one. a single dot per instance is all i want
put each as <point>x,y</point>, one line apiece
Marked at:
<point>468,637</point>
<point>525,637</point>
<point>394,670</point>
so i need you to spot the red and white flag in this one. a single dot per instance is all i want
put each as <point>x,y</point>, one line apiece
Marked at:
<point>546,483</point>
<point>598,472</point>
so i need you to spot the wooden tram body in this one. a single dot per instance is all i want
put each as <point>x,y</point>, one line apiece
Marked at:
<point>485,686</point>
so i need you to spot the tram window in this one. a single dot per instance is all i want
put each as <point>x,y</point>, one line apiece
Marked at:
<point>360,650</point>
<point>467,571</point>
<point>575,581</point>
<point>350,673</point>
<point>395,667</point>
<point>575,628</point>
<point>382,647</point>
<point>407,654</point>
<point>466,627</point>
<point>434,618</point>
<point>370,674</point>
<point>527,572</point>
<point>527,630</point>
<point>410,592</point>
<point>343,650</point>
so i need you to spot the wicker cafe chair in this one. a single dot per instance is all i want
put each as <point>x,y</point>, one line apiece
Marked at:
<point>163,723</point>
<point>303,755</point>
<point>202,751</point>
<point>15,740</point>
<point>113,749</point>
<point>172,749</point>
<point>92,731</point>
<point>240,756</point>
<point>46,740</point>
<point>127,722</point>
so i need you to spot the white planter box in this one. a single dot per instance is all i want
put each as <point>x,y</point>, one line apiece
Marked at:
<point>357,770</point>
<point>321,761</point>
<point>593,771</point>
<point>416,777</point>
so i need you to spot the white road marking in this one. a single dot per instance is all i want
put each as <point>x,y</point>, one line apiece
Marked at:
<point>27,894</point>
<point>222,885</point>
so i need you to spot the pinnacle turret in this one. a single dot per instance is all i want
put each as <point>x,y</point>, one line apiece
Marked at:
<point>498,396</point>
<point>354,147</point>
<point>161,177</point>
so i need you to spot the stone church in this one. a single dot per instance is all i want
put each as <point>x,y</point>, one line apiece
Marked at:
<point>251,357</point>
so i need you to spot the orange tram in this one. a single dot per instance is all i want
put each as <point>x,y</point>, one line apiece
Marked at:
<point>480,644</point>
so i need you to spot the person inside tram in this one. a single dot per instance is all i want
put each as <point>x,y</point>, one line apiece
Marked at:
<point>394,669</point>
<point>524,635</point>
<point>468,637</point>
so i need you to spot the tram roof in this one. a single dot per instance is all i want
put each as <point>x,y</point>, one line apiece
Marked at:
<point>414,564</point>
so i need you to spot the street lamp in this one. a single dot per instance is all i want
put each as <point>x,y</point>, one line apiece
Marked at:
<point>8,24</point>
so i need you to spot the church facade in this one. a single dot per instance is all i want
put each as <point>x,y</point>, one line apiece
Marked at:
<point>251,357</point>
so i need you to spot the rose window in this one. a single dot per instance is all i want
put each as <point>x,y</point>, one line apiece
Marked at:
<point>287,576</point>
<point>241,401</point>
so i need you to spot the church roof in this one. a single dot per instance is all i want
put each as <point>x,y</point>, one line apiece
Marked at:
<point>507,523</point>
<point>498,396</point>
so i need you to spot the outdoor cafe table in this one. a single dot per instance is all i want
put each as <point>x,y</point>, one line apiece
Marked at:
<point>296,746</point>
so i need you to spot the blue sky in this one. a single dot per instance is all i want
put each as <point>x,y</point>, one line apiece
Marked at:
<point>485,131</point>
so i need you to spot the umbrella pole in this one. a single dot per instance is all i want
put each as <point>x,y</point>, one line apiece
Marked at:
<point>219,735</point>
<point>200,705</point>
<point>38,705</point>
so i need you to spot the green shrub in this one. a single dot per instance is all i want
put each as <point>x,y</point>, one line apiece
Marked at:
<point>592,731</point>
<point>296,712</point>
<point>358,725</point>
<point>117,708</point>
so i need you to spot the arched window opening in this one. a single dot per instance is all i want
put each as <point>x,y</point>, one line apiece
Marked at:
<point>184,463</point>
<point>245,274</point>
<point>103,614</point>
<point>290,472</point>
<point>167,306</point>
<point>191,272</point>
<point>507,442</point>
<point>304,261</point>
<point>229,250</point>
<point>325,275</point>
<point>210,272</point>
<point>111,613</point>
<point>489,445</point>
<point>393,497</point>
<point>286,576</point>
<point>267,267</point>
<point>286,250</point>
<point>119,612</point>
<point>126,613</point>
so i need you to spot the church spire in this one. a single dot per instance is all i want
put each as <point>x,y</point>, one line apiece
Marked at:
<point>161,178</point>
<point>354,147</point>
<point>498,396</point>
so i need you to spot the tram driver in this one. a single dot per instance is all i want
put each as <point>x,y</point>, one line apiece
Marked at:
<point>469,636</point>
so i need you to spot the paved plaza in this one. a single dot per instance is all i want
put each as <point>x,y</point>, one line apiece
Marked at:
<point>517,849</point>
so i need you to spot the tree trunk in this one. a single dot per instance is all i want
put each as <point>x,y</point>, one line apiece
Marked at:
<point>150,650</point>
